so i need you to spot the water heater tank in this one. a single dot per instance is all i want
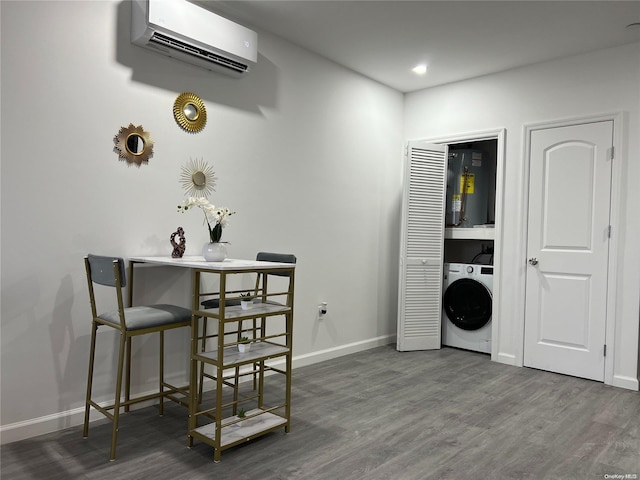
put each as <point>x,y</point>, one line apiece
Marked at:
<point>472,197</point>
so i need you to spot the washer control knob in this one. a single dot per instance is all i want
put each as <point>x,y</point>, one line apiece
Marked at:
<point>469,269</point>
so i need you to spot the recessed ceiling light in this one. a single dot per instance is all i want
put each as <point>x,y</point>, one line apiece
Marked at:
<point>419,69</point>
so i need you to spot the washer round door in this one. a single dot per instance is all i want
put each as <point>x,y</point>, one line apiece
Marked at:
<point>468,304</point>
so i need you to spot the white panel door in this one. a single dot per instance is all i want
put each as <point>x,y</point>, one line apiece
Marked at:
<point>568,248</point>
<point>422,247</point>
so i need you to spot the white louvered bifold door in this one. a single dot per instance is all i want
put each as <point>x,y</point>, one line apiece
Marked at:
<point>422,247</point>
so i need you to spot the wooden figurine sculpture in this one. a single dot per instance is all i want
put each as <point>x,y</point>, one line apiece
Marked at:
<point>178,248</point>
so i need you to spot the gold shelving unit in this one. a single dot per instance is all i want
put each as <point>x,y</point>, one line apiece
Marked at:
<point>238,379</point>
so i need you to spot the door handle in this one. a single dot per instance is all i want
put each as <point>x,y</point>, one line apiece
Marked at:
<point>533,261</point>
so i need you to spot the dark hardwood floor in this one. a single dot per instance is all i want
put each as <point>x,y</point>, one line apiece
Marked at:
<point>379,414</point>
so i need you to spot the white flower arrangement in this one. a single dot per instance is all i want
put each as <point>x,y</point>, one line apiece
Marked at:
<point>216,216</point>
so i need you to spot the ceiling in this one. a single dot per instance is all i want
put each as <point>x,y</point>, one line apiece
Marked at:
<point>384,40</point>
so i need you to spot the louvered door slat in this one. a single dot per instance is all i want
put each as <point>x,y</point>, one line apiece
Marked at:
<point>422,246</point>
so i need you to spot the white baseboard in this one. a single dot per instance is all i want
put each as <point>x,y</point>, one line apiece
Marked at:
<point>14,432</point>
<point>342,350</point>
<point>507,359</point>
<point>57,421</point>
<point>629,383</point>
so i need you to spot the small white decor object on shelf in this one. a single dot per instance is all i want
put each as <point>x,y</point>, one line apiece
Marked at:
<point>240,416</point>
<point>246,300</point>
<point>244,345</point>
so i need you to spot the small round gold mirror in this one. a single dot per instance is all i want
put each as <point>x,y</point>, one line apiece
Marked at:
<point>189,112</point>
<point>133,144</point>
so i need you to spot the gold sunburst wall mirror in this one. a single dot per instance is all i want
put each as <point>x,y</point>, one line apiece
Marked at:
<point>197,178</point>
<point>133,144</point>
<point>189,112</point>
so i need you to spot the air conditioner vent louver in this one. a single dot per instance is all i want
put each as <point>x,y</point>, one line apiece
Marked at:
<point>192,34</point>
<point>172,43</point>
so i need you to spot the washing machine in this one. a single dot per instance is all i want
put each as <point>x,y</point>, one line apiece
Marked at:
<point>467,306</point>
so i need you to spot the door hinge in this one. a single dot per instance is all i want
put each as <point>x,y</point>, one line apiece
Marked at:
<point>605,349</point>
<point>612,152</point>
<point>609,231</point>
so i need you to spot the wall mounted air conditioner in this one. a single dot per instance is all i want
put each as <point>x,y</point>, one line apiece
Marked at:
<point>193,34</point>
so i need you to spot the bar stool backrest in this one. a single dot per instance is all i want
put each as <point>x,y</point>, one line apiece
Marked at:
<point>102,271</point>
<point>277,257</point>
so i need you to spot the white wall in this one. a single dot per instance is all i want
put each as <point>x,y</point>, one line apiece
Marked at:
<point>307,153</point>
<point>606,81</point>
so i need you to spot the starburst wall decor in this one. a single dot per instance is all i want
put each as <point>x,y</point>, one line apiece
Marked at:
<point>197,178</point>
<point>133,144</point>
<point>189,112</point>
